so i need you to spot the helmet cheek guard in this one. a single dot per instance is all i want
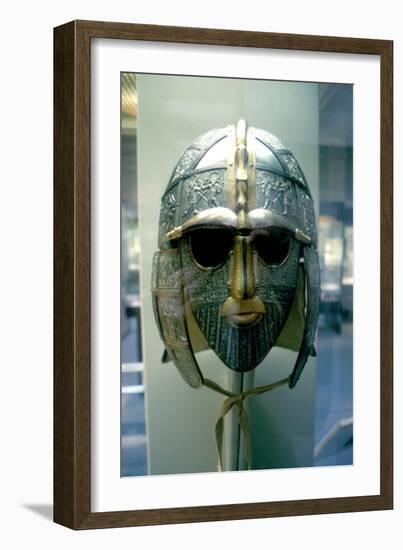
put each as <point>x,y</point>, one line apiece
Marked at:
<point>311,267</point>
<point>169,310</point>
<point>237,269</point>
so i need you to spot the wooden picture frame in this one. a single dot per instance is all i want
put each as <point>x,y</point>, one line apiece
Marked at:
<point>72,272</point>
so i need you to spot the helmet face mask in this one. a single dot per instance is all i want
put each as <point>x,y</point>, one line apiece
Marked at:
<point>236,304</point>
<point>238,218</point>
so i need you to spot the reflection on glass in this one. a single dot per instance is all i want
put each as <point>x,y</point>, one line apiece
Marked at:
<point>333,410</point>
<point>133,438</point>
<point>334,372</point>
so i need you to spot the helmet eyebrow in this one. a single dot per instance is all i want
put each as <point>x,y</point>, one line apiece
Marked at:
<point>260,218</point>
<point>213,217</point>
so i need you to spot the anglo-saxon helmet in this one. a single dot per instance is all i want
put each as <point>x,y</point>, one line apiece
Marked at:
<point>237,268</point>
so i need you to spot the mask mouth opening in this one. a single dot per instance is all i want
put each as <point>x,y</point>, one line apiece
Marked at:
<point>243,313</point>
<point>244,320</point>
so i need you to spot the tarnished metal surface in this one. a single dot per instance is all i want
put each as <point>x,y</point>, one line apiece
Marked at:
<point>169,310</point>
<point>236,185</point>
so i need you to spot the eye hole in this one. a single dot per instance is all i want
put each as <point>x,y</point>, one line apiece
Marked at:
<point>272,245</point>
<point>210,247</point>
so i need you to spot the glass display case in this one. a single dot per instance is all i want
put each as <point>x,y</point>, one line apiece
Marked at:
<point>168,427</point>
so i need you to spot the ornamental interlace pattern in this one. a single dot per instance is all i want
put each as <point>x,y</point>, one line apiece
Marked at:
<point>168,211</point>
<point>186,162</point>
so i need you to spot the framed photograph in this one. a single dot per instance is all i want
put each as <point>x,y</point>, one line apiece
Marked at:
<point>223,292</point>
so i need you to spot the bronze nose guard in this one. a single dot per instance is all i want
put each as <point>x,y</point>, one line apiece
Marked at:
<point>242,307</point>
